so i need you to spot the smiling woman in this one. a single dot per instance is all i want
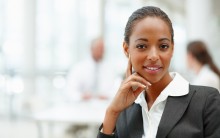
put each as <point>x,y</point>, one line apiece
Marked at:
<point>151,46</point>
<point>163,104</point>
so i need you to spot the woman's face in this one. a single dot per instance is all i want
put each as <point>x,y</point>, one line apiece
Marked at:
<point>150,49</point>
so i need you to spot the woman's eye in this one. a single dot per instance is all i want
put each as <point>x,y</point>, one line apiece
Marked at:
<point>164,47</point>
<point>141,46</point>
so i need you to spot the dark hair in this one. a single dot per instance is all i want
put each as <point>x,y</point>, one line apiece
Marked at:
<point>148,11</point>
<point>199,51</point>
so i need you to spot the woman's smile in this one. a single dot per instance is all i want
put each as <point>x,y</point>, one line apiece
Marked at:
<point>152,69</point>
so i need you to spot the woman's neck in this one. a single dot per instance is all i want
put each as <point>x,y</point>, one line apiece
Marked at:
<point>197,67</point>
<point>155,89</point>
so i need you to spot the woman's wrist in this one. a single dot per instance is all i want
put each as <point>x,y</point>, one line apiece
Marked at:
<point>110,121</point>
<point>111,112</point>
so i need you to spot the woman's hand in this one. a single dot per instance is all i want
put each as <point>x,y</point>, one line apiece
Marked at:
<point>129,90</point>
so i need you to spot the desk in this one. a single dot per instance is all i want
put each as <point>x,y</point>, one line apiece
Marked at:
<point>78,113</point>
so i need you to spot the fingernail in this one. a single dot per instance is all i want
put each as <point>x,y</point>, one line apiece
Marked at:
<point>143,85</point>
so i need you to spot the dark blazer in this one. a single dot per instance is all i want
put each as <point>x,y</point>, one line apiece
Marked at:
<point>195,115</point>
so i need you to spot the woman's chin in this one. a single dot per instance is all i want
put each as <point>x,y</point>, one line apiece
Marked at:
<point>152,80</point>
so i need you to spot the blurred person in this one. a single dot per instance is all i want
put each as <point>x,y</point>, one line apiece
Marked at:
<point>92,77</point>
<point>152,102</point>
<point>201,63</point>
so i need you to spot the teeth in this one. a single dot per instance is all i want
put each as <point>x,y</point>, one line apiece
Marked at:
<point>152,68</point>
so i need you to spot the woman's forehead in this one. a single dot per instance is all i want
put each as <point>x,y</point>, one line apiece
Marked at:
<point>151,26</point>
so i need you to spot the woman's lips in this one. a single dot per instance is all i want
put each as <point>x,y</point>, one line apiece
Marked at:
<point>152,69</point>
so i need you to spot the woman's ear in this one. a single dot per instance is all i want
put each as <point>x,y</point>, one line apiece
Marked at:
<point>126,49</point>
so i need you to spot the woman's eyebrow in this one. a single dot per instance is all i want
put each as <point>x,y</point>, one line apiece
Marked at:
<point>164,39</point>
<point>146,40</point>
<point>141,39</point>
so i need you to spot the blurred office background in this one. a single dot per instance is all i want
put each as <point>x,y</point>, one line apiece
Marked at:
<point>40,40</point>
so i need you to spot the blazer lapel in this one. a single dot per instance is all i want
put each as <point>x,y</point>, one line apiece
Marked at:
<point>174,110</point>
<point>135,121</point>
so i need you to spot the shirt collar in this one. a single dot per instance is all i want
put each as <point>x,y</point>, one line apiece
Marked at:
<point>177,87</point>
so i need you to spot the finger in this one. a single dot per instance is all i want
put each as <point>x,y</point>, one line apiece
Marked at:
<point>129,68</point>
<point>137,92</point>
<point>138,78</point>
<point>134,85</point>
<point>146,82</point>
<point>142,79</point>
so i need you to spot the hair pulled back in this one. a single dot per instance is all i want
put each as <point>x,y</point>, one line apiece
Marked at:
<point>148,11</point>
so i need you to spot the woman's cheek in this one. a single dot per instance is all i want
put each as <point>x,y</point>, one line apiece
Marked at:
<point>136,63</point>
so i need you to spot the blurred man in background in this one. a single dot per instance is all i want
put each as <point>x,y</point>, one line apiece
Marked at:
<point>92,78</point>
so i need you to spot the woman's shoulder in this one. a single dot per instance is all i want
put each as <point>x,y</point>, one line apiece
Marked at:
<point>203,89</point>
<point>204,92</point>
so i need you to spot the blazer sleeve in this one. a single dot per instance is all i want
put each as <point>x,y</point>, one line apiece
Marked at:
<point>211,115</point>
<point>102,135</point>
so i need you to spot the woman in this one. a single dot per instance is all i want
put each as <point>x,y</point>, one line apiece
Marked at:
<point>201,63</point>
<point>153,102</point>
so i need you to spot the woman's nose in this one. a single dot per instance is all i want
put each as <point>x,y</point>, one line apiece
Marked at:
<point>153,54</point>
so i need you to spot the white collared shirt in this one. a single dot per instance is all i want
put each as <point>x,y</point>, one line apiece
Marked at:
<point>151,118</point>
<point>207,77</point>
<point>83,75</point>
